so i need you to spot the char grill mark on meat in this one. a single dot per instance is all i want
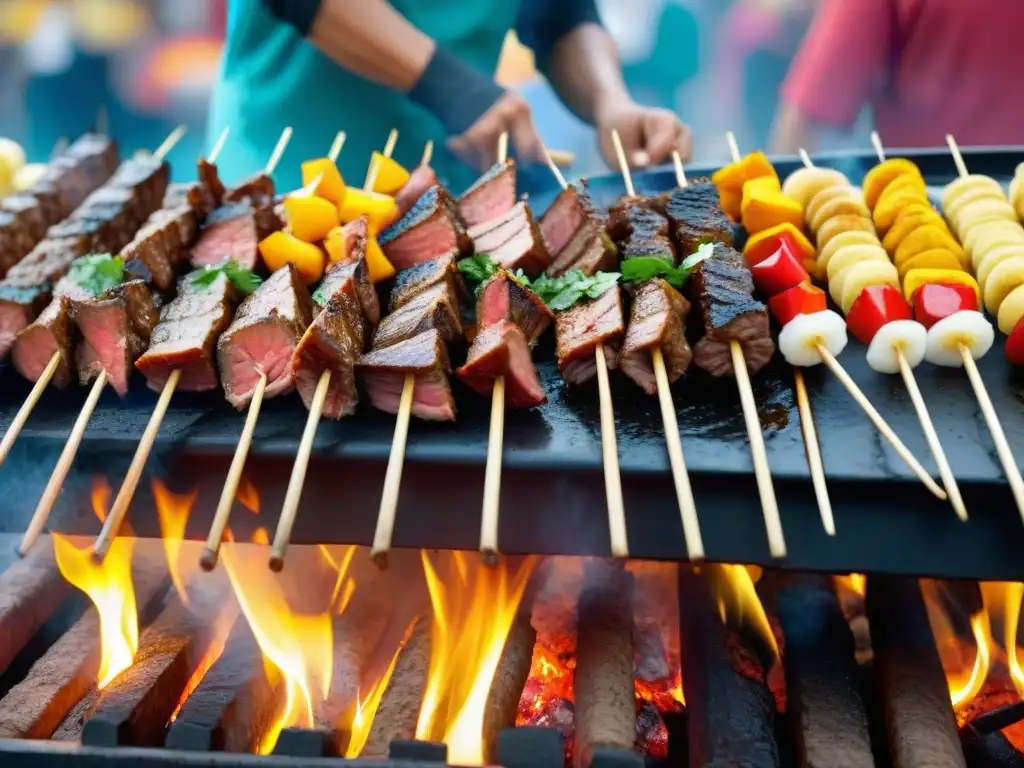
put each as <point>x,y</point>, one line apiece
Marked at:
<point>234,231</point>
<point>563,220</point>
<point>409,283</point>
<point>491,196</point>
<point>723,293</point>
<point>431,228</point>
<point>579,330</point>
<point>656,321</point>
<point>432,309</point>
<point>347,287</point>
<point>28,214</point>
<point>641,231</point>
<point>263,336</point>
<point>590,250</point>
<point>513,241</point>
<point>186,336</point>
<point>503,298</point>
<point>383,372</point>
<point>258,188</point>
<point>501,349</point>
<point>696,216</point>
<point>116,328</point>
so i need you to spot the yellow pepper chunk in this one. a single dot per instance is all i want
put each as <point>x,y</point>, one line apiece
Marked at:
<point>763,207</point>
<point>391,177</point>
<point>329,183</point>
<point>916,278</point>
<point>882,175</point>
<point>756,165</point>
<point>936,258</point>
<point>376,262</point>
<point>310,218</point>
<point>729,177</point>
<point>280,248</point>
<point>380,209</point>
<point>334,244</point>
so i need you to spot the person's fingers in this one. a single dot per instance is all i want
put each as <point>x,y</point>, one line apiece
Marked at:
<point>663,131</point>
<point>684,143</point>
<point>525,139</point>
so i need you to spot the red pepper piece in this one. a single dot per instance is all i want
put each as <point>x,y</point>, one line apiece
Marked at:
<point>1015,345</point>
<point>876,306</point>
<point>803,299</point>
<point>935,301</point>
<point>780,271</point>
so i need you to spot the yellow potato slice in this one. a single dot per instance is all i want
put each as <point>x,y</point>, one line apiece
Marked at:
<point>890,207</point>
<point>1011,310</point>
<point>906,182</point>
<point>839,224</point>
<point>981,212</point>
<point>851,254</point>
<point>925,238</point>
<point>805,183</point>
<point>972,196</point>
<point>993,259</point>
<point>882,175</point>
<point>909,219</point>
<point>861,275</point>
<point>847,203</point>
<point>991,236</point>
<point>965,184</point>
<point>1006,276</point>
<point>843,239</point>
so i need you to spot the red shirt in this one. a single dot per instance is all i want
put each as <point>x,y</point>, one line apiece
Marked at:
<point>927,68</point>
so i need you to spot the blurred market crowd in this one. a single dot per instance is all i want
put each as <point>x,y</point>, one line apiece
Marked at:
<point>151,64</point>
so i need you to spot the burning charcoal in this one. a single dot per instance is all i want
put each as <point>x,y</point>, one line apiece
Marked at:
<point>603,682</point>
<point>651,733</point>
<point>909,678</point>
<point>491,196</point>
<point>509,679</point>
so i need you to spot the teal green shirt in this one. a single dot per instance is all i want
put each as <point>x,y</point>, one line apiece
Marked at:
<point>270,77</point>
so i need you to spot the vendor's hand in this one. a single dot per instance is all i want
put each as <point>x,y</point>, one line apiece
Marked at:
<point>478,146</point>
<point>648,134</point>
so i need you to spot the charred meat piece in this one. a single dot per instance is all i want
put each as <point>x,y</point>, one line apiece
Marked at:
<point>354,235</point>
<point>501,349</point>
<point>579,330</point>
<point>28,214</point>
<point>384,370</point>
<point>600,255</point>
<point>435,308</point>
<point>347,287</point>
<point>116,328</point>
<point>262,338</point>
<point>723,293</point>
<point>159,248</point>
<point>590,250</point>
<point>513,241</point>
<point>641,231</point>
<point>429,229</point>
<point>19,306</point>
<point>15,241</point>
<point>47,263</point>
<point>50,201</point>
<point>563,220</point>
<point>234,231</point>
<point>258,188</point>
<point>505,298</point>
<point>696,215</point>
<point>410,282</point>
<point>186,336</point>
<point>656,321</point>
<point>211,188</point>
<point>147,178</point>
<point>491,196</point>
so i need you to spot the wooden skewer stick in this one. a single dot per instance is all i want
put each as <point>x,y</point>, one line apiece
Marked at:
<point>293,495</point>
<point>562,157</point>
<point>428,153</point>
<point>218,145</point>
<point>495,442</point>
<point>170,142</point>
<point>758,452</point>
<point>102,120</point>
<point>278,153</point>
<point>869,409</point>
<point>26,408</point>
<point>927,426</point>
<point>995,427</point>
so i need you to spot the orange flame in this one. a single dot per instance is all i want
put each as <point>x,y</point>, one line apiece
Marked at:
<point>473,614</point>
<point>109,586</point>
<point>366,706</point>
<point>855,582</point>
<point>247,495</point>
<point>732,589</point>
<point>100,497</point>
<point>301,646</point>
<point>173,511</point>
<point>1011,606</point>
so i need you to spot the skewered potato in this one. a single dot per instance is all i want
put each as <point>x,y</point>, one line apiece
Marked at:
<point>905,183</point>
<point>936,258</point>
<point>805,183</point>
<point>843,203</point>
<point>986,238</point>
<point>890,206</point>
<point>854,237</point>
<point>971,197</point>
<point>1006,276</point>
<point>855,278</point>
<point>925,238</point>
<point>908,337</point>
<point>909,219</point>
<point>1011,310</point>
<point>801,337</point>
<point>966,328</point>
<point>883,174</point>
<point>994,258</point>
<point>840,224</point>
<point>852,254</point>
<point>964,184</point>
<point>981,212</point>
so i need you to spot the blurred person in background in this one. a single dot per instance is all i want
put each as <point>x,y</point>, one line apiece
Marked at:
<point>366,66</point>
<point>925,67</point>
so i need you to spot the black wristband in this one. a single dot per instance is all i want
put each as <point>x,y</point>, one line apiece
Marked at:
<point>454,92</point>
<point>540,24</point>
<point>299,13</point>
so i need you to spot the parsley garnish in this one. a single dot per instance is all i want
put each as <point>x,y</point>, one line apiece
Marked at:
<point>560,293</point>
<point>639,269</point>
<point>97,273</point>
<point>479,268</point>
<point>245,280</point>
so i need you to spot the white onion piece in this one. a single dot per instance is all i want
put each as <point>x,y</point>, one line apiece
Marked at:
<point>908,336</point>
<point>961,328</point>
<point>800,338</point>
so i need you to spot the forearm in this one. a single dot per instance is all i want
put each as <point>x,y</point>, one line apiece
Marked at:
<point>585,70</point>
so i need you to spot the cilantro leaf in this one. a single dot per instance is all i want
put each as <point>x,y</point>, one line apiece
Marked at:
<point>319,297</point>
<point>640,269</point>
<point>477,268</point>
<point>561,293</point>
<point>703,253</point>
<point>97,273</point>
<point>245,280</point>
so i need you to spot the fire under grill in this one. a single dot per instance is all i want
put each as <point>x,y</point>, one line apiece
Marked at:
<point>537,662</point>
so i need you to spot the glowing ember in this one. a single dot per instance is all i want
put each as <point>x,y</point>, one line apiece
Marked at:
<point>301,646</point>
<point>173,511</point>
<point>473,613</point>
<point>109,586</point>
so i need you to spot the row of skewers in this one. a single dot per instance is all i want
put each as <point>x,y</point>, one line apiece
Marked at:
<point>280,336</point>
